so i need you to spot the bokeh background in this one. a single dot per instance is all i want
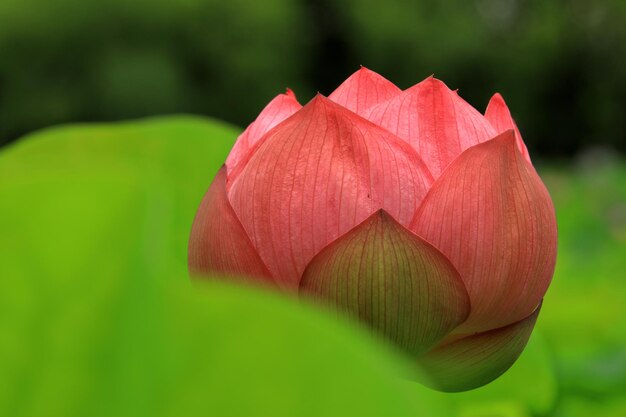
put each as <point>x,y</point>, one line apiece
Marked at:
<point>560,63</point>
<point>97,316</point>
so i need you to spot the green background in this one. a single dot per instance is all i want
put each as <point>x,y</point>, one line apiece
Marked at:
<point>559,63</point>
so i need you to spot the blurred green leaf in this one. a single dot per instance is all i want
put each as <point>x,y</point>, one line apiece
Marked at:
<point>105,180</point>
<point>98,316</point>
<point>583,319</point>
<point>584,308</point>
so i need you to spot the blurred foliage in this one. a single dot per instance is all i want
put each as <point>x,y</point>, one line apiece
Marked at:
<point>560,64</point>
<point>71,60</point>
<point>584,317</point>
<point>98,316</point>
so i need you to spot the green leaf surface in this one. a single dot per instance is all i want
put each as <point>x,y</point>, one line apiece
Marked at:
<point>149,175</point>
<point>99,318</point>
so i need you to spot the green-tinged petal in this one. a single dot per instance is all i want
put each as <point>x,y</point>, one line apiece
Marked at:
<point>475,360</point>
<point>392,280</point>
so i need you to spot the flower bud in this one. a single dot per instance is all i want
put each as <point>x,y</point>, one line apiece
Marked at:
<point>408,210</point>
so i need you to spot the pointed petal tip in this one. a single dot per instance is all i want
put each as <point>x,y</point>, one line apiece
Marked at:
<point>500,143</point>
<point>324,105</point>
<point>383,215</point>
<point>497,97</point>
<point>430,83</point>
<point>318,104</point>
<point>276,111</point>
<point>371,74</point>
<point>279,100</point>
<point>317,99</point>
<point>289,93</point>
<point>363,70</point>
<point>499,116</point>
<point>385,219</point>
<point>507,137</point>
<point>435,81</point>
<point>506,140</point>
<point>362,90</point>
<point>497,107</point>
<point>415,300</point>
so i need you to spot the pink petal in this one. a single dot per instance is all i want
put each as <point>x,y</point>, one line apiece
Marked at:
<point>391,279</point>
<point>491,215</point>
<point>434,120</point>
<point>475,360</point>
<point>362,90</point>
<point>500,118</point>
<point>315,177</point>
<point>280,108</point>
<point>218,244</point>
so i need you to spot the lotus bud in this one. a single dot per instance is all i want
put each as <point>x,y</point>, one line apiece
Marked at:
<point>406,209</point>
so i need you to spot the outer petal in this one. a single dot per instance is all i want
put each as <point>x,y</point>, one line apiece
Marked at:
<point>392,280</point>
<point>491,215</point>
<point>277,110</point>
<point>218,242</point>
<point>315,177</point>
<point>362,90</point>
<point>500,118</point>
<point>473,361</point>
<point>434,120</point>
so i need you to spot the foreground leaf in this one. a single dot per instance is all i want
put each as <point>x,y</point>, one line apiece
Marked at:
<point>97,313</point>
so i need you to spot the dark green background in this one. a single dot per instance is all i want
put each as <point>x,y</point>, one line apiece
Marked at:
<point>561,64</point>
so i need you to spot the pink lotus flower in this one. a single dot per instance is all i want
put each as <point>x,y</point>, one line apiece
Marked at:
<point>407,209</point>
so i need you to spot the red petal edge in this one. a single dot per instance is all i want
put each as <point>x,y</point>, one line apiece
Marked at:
<point>277,110</point>
<point>218,243</point>
<point>499,116</point>
<point>362,90</point>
